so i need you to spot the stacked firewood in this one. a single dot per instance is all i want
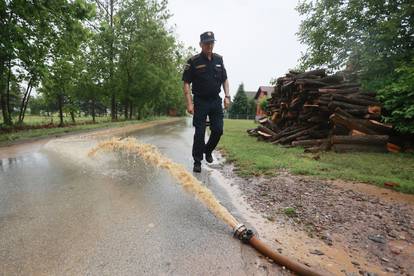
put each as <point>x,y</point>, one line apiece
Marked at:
<point>321,112</point>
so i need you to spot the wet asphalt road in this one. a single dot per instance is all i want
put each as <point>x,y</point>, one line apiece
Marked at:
<point>113,215</point>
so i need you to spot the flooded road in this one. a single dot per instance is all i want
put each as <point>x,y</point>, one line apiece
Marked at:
<point>63,213</point>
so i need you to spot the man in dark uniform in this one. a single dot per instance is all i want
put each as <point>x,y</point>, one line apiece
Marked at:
<point>207,74</point>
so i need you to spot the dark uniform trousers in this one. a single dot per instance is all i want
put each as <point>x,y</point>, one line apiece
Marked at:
<point>214,110</point>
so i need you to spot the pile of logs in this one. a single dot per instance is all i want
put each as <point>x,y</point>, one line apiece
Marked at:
<point>321,112</point>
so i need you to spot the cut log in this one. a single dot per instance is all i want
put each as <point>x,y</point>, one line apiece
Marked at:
<point>287,132</point>
<point>263,120</point>
<point>311,83</point>
<point>347,106</point>
<point>393,148</point>
<point>360,140</point>
<point>310,143</point>
<point>344,85</point>
<point>374,109</point>
<point>266,130</point>
<point>350,124</point>
<point>373,116</point>
<point>334,79</point>
<point>303,100</point>
<point>357,133</point>
<point>298,134</point>
<point>352,100</point>
<point>358,148</point>
<point>377,126</point>
<point>317,72</point>
<point>264,134</point>
<point>339,91</point>
<point>311,105</point>
<point>342,112</point>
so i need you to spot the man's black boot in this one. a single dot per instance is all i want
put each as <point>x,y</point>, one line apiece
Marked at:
<point>197,167</point>
<point>209,157</point>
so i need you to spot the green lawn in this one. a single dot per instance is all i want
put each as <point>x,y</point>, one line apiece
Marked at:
<point>33,120</point>
<point>252,157</point>
<point>81,126</point>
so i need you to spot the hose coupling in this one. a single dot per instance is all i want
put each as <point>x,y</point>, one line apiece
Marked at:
<point>242,233</point>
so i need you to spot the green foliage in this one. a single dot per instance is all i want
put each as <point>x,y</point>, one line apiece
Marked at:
<point>32,33</point>
<point>263,103</point>
<point>240,106</point>
<point>290,211</point>
<point>372,35</point>
<point>372,38</point>
<point>252,106</point>
<point>398,98</point>
<point>85,57</point>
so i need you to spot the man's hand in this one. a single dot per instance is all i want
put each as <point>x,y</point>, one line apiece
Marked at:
<point>226,103</point>
<point>190,108</point>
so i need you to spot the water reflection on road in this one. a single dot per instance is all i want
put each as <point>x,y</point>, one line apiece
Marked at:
<point>64,213</point>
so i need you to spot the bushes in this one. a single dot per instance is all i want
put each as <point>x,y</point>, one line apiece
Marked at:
<point>398,99</point>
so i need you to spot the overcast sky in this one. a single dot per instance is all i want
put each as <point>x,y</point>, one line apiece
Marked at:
<point>255,37</point>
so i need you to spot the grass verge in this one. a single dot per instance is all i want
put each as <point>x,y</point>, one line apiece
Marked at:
<point>252,157</point>
<point>6,138</point>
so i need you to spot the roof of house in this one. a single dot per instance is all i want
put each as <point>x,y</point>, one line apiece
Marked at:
<point>250,94</point>
<point>266,89</point>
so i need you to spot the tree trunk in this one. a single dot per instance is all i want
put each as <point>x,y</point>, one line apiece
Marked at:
<point>24,101</point>
<point>60,105</point>
<point>3,96</point>
<point>126,110</point>
<point>8,90</point>
<point>130,110</point>
<point>113,108</point>
<point>6,115</point>
<point>114,113</point>
<point>93,110</point>
<point>72,116</point>
<point>26,104</point>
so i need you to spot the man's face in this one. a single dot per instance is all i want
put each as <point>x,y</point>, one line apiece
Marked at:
<point>207,47</point>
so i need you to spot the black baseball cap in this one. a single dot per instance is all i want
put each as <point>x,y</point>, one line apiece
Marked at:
<point>207,37</point>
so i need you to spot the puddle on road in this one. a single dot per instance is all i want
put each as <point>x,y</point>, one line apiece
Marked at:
<point>151,155</point>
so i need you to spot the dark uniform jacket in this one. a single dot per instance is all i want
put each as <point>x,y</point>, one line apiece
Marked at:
<point>206,76</point>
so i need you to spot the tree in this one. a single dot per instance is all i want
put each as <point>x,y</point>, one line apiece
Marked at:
<point>29,32</point>
<point>240,106</point>
<point>372,38</point>
<point>125,60</point>
<point>108,17</point>
<point>373,35</point>
<point>398,98</point>
<point>252,106</point>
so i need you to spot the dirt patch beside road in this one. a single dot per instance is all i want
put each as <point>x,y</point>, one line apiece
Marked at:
<point>353,227</point>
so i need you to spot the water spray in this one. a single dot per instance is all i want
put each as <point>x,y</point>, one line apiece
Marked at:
<point>151,155</point>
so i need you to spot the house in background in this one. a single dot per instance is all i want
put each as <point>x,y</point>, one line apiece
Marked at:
<point>262,93</point>
<point>250,94</point>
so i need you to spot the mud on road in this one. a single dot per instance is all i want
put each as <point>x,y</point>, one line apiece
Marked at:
<point>346,228</point>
